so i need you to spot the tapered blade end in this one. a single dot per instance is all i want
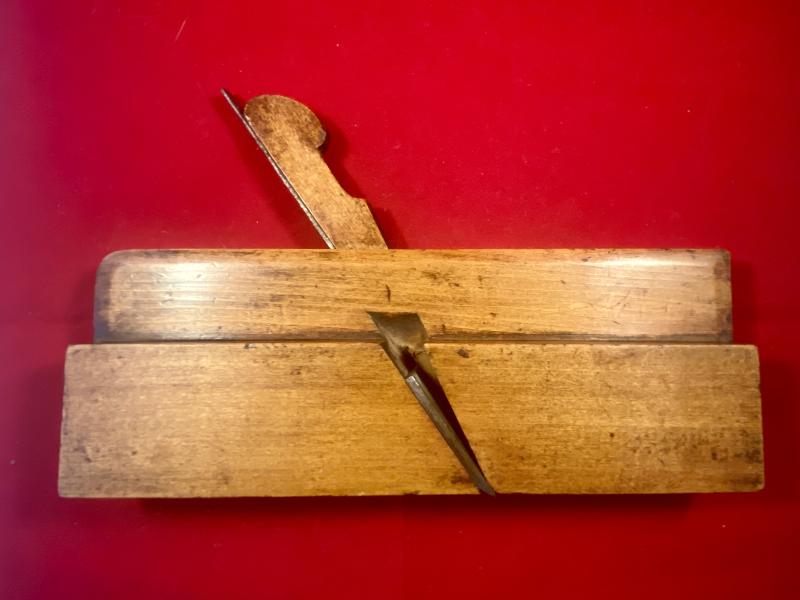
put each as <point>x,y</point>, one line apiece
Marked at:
<point>484,486</point>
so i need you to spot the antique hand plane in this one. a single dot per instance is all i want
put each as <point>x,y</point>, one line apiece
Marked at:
<point>362,370</point>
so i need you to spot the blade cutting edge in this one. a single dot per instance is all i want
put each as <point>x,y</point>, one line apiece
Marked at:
<point>404,342</point>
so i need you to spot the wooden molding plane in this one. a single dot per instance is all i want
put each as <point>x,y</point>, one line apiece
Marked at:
<point>367,371</point>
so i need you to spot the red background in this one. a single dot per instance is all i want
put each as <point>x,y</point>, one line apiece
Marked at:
<point>489,124</point>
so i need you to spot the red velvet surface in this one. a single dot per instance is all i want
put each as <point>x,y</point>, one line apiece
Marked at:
<point>492,124</point>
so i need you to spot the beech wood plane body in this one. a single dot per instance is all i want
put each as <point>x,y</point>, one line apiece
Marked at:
<point>362,370</point>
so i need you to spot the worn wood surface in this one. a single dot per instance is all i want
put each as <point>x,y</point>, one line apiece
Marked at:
<point>314,418</point>
<point>584,418</point>
<point>246,420</point>
<point>671,295</point>
<point>292,136</point>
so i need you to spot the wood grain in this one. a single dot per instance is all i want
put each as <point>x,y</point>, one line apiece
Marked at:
<point>292,136</point>
<point>316,418</point>
<point>297,419</point>
<point>671,295</point>
<point>594,418</point>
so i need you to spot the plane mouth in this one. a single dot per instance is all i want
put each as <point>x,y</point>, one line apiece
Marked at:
<point>404,337</point>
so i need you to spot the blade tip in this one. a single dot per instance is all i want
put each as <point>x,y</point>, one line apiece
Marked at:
<point>487,489</point>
